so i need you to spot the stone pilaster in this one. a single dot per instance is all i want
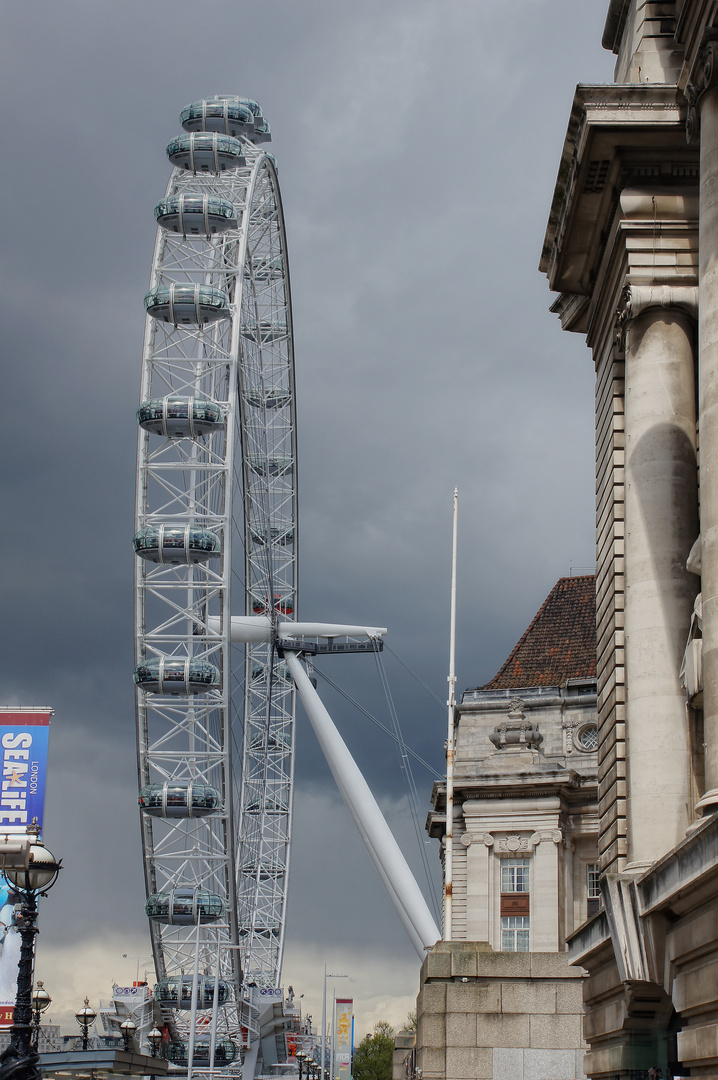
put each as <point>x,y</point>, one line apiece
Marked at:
<point>661,510</point>
<point>702,94</point>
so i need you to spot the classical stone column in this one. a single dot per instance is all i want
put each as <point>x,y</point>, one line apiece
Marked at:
<point>661,526</point>
<point>704,91</point>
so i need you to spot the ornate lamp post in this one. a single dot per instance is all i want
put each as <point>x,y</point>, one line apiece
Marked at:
<point>20,1060</point>
<point>301,1058</point>
<point>155,1040</point>
<point>85,1017</point>
<point>128,1029</point>
<point>41,1001</point>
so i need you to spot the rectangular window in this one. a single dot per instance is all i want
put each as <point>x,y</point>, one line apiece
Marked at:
<point>515,933</point>
<point>593,882</point>
<point>515,875</point>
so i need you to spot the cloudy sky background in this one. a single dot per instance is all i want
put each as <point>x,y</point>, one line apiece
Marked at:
<point>418,143</point>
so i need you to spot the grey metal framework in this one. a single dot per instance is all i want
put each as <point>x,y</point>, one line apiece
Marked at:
<point>216,530</point>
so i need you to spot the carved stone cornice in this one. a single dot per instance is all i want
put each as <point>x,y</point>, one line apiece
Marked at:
<point>704,77</point>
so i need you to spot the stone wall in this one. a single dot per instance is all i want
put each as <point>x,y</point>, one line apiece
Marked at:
<point>485,1015</point>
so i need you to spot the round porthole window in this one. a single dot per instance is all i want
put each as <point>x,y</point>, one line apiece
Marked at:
<point>586,738</point>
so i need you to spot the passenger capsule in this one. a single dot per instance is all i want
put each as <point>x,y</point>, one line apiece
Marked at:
<point>195,215</point>
<point>205,152</point>
<point>284,604</point>
<point>275,466</point>
<point>267,872</point>
<point>229,115</point>
<point>269,269</point>
<point>262,131</point>
<point>280,741</point>
<point>275,398</point>
<point>280,671</point>
<point>264,331</point>
<point>167,675</point>
<point>184,906</point>
<point>176,544</point>
<point>179,799</point>
<point>270,806</point>
<point>262,927</point>
<point>180,417</point>
<point>177,1052</point>
<point>282,533</point>
<point>187,304</point>
<point>176,991</point>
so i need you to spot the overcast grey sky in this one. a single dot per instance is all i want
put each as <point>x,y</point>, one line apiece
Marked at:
<point>418,143</point>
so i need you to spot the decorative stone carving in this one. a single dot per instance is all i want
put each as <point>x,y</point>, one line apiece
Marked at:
<point>516,709</point>
<point>488,839</point>
<point>554,835</point>
<point>704,77</point>
<point>467,839</point>
<point>636,298</point>
<point>518,734</point>
<point>513,843</point>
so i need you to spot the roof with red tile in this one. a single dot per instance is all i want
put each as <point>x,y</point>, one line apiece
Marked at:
<point>559,644</point>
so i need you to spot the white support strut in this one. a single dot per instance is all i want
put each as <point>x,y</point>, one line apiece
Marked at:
<point>383,848</point>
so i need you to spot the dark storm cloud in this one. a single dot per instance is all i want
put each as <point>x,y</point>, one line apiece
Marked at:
<point>418,145</point>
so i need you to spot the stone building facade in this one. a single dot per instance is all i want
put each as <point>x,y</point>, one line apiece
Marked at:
<point>499,1000</point>
<point>631,249</point>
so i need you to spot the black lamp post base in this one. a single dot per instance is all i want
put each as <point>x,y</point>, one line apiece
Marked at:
<point>19,1062</point>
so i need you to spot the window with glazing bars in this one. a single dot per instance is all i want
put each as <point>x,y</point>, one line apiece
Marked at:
<point>515,875</point>
<point>593,881</point>
<point>515,933</point>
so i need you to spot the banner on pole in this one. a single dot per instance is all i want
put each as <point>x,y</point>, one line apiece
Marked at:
<point>343,1028</point>
<point>23,752</point>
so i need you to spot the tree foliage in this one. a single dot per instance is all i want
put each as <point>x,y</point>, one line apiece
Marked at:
<point>374,1054</point>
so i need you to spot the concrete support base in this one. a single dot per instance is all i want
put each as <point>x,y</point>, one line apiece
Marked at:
<point>484,1015</point>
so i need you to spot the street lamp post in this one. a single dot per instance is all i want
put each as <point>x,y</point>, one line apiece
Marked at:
<point>323,1060</point>
<point>41,1001</point>
<point>301,1057</point>
<point>155,1040</point>
<point>85,1017</point>
<point>128,1029</point>
<point>38,874</point>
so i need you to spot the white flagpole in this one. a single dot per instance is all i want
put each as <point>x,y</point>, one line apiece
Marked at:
<point>451,703</point>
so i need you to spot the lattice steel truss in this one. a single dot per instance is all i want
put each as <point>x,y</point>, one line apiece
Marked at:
<point>239,481</point>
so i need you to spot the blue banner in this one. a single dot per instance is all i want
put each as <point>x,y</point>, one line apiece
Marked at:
<point>23,753</point>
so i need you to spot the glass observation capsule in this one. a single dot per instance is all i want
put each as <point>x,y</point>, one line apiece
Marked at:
<point>274,466</point>
<point>187,304</point>
<point>264,331</point>
<point>167,675</point>
<point>261,927</point>
<point>282,533</point>
<point>176,544</point>
<point>176,991</point>
<point>268,269</point>
<point>283,604</point>
<point>266,872</point>
<point>281,741</point>
<point>275,398</point>
<point>179,799</point>
<point>225,1053</point>
<point>206,152</point>
<point>229,115</point>
<point>195,215</point>
<point>281,671</point>
<point>184,907</point>
<point>270,806</point>
<point>180,417</point>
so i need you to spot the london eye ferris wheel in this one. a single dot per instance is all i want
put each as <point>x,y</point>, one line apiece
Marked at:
<point>216,525</point>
